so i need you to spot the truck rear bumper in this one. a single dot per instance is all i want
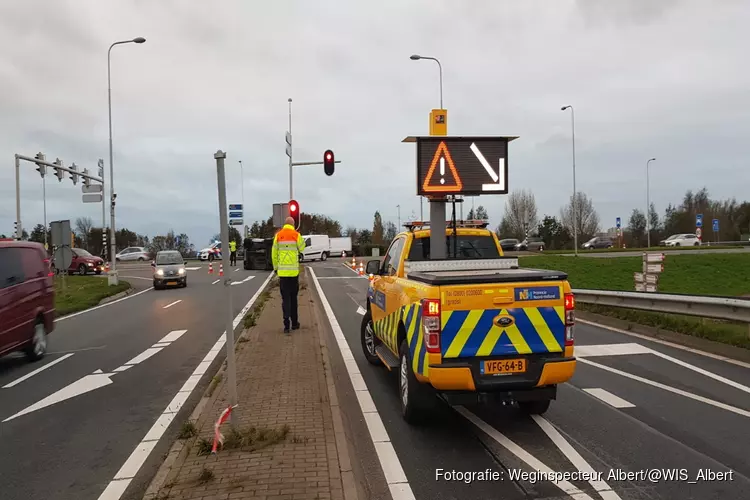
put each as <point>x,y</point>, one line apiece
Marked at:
<point>466,376</point>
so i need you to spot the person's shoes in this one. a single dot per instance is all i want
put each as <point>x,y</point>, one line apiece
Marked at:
<point>296,327</point>
<point>286,330</point>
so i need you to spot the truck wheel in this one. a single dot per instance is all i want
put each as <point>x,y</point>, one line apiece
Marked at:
<point>416,399</point>
<point>369,340</point>
<point>534,407</point>
<point>323,257</point>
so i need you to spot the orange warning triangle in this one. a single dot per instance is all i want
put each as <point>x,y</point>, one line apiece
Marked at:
<point>443,183</point>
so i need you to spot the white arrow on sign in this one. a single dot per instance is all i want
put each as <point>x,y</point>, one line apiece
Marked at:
<point>497,178</point>
<point>98,379</point>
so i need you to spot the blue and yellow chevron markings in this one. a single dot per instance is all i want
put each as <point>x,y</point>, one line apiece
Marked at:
<point>411,317</point>
<point>473,333</point>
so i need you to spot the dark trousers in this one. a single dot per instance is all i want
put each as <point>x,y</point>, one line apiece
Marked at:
<point>289,287</point>
<point>233,258</point>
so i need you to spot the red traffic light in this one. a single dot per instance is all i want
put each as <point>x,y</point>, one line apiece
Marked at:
<point>294,212</point>
<point>328,162</point>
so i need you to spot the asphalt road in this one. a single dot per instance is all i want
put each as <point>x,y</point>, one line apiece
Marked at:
<point>74,447</point>
<point>633,406</point>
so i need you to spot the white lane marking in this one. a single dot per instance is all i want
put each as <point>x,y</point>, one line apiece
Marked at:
<point>707,373</point>
<point>236,269</point>
<point>338,277</point>
<point>132,465</point>
<point>666,343</point>
<point>361,311</point>
<point>610,350</point>
<point>173,303</point>
<point>723,406</point>
<point>243,281</point>
<point>519,452</point>
<point>389,461</point>
<point>144,355</point>
<point>81,386</point>
<point>215,282</point>
<point>38,370</point>
<point>609,398</point>
<point>136,278</point>
<point>192,268</point>
<point>79,350</point>
<point>103,305</point>
<point>173,336</point>
<point>161,344</point>
<point>575,458</point>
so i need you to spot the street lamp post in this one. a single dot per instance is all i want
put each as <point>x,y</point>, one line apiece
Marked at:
<point>112,276</point>
<point>291,192</point>
<point>574,205</point>
<point>399,215</point>
<point>417,57</point>
<point>648,208</point>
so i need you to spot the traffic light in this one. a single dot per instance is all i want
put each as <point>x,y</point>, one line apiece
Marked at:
<point>74,177</point>
<point>328,162</point>
<point>41,168</point>
<point>15,230</point>
<point>86,180</point>
<point>60,173</point>
<point>294,212</point>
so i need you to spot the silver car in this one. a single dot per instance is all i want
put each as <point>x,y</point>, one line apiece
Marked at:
<point>169,269</point>
<point>132,253</point>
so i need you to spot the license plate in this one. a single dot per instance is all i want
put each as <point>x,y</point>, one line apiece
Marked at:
<point>171,282</point>
<point>503,366</point>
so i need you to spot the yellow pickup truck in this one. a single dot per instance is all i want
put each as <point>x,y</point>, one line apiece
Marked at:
<point>473,327</point>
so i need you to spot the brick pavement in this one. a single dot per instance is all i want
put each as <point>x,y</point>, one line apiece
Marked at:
<point>281,381</point>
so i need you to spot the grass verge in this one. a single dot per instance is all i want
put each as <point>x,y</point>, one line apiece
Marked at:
<point>251,317</point>
<point>651,249</point>
<point>83,292</point>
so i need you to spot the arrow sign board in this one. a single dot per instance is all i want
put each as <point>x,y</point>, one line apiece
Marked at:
<point>653,257</point>
<point>235,206</point>
<point>93,188</point>
<point>699,220</point>
<point>461,165</point>
<point>235,215</point>
<point>235,222</point>
<point>92,198</point>
<point>653,268</point>
<point>716,225</point>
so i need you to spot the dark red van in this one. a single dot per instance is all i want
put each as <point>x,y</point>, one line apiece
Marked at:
<point>27,298</point>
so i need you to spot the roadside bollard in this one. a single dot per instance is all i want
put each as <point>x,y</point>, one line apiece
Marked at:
<point>221,269</point>
<point>210,268</point>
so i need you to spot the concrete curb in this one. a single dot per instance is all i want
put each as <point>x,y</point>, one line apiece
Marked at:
<point>116,296</point>
<point>181,447</point>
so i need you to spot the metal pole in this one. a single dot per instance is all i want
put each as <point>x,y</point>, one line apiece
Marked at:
<point>19,229</point>
<point>421,210</point>
<point>574,205</point>
<point>112,276</point>
<point>399,215</point>
<point>291,191</point>
<point>648,208</point>
<point>104,209</point>
<point>221,177</point>
<point>44,201</point>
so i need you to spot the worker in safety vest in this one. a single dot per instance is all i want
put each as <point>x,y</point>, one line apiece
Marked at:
<point>232,253</point>
<point>287,245</point>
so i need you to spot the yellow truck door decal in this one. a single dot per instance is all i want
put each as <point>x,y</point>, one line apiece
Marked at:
<point>474,333</point>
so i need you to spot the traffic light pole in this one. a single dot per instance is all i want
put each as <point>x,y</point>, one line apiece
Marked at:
<point>19,229</point>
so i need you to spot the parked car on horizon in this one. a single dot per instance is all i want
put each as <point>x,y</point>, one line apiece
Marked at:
<point>83,263</point>
<point>27,298</point>
<point>508,244</point>
<point>132,253</point>
<point>531,244</point>
<point>681,240</point>
<point>598,242</point>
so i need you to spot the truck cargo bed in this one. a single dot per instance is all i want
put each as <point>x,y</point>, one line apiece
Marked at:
<point>465,277</point>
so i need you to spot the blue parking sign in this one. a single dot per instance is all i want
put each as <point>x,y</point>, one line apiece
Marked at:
<point>618,223</point>
<point>699,220</point>
<point>716,225</point>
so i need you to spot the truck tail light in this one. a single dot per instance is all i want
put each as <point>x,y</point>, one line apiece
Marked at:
<point>431,323</point>
<point>570,318</point>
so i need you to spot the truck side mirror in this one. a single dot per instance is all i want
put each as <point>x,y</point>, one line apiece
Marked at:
<point>373,267</point>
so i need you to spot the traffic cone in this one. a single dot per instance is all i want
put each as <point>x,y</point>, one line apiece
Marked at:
<point>221,269</point>
<point>210,268</point>
<point>354,262</point>
<point>106,267</point>
<point>361,269</point>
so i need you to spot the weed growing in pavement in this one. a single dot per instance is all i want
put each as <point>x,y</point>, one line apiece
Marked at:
<point>204,446</point>
<point>255,438</point>
<point>243,339</point>
<point>188,430</point>
<point>206,475</point>
<point>214,384</point>
<point>300,439</point>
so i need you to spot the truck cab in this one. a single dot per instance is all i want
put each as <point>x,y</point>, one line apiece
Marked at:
<point>474,327</point>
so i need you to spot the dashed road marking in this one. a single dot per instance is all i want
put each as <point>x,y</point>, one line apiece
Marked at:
<point>609,398</point>
<point>37,371</point>
<point>173,303</point>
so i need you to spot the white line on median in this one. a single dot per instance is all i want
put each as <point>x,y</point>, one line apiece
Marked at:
<point>132,465</point>
<point>38,370</point>
<point>215,282</point>
<point>398,484</point>
<point>609,398</point>
<point>173,303</point>
<point>103,305</point>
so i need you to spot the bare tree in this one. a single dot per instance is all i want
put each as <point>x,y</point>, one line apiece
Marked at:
<point>520,214</point>
<point>587,219</point>
<point>83,227</point>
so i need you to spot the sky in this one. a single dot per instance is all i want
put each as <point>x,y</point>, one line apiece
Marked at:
<point>664,79</point>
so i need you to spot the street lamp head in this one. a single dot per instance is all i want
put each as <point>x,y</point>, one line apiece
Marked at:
<point>564,108</point>
<point>415,57</point>
<point>140,39</point>
<point>652,159</point>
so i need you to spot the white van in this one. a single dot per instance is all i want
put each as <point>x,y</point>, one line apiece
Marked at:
<point>341,247</point>
<point>317,247</point>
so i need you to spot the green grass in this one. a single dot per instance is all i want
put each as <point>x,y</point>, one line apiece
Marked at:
<point>82,292</point>
<point>725,275</point>
<point>652,249</point>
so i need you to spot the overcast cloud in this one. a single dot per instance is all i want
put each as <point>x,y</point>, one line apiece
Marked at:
<point>664,79</point>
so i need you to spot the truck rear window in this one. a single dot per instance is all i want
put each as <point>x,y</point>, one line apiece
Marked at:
<point>466,246</point>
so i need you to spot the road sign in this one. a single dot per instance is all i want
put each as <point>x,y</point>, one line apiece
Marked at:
<point>92,188</point>
<point>699,220</point>
<point>619,223</point>
<point>235,222</point>
<point>653,257</point>
<point>235,215</point>
<point>63,257</point>
<point>698,232</point>
<point>289,144</point>
<point>280,212</point>
<point>235,206</point>
<point>60,233</point>
<point>461,165</point>
<point>642,287</point>
<point>92,198</point>
<point>653,268</point>
<point>716,225</point>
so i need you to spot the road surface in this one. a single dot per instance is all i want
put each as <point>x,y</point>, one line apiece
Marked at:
<point>115,373</point>
<point>634,406</point>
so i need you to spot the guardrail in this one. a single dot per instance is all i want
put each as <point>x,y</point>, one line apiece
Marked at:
<point>724,308</point>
